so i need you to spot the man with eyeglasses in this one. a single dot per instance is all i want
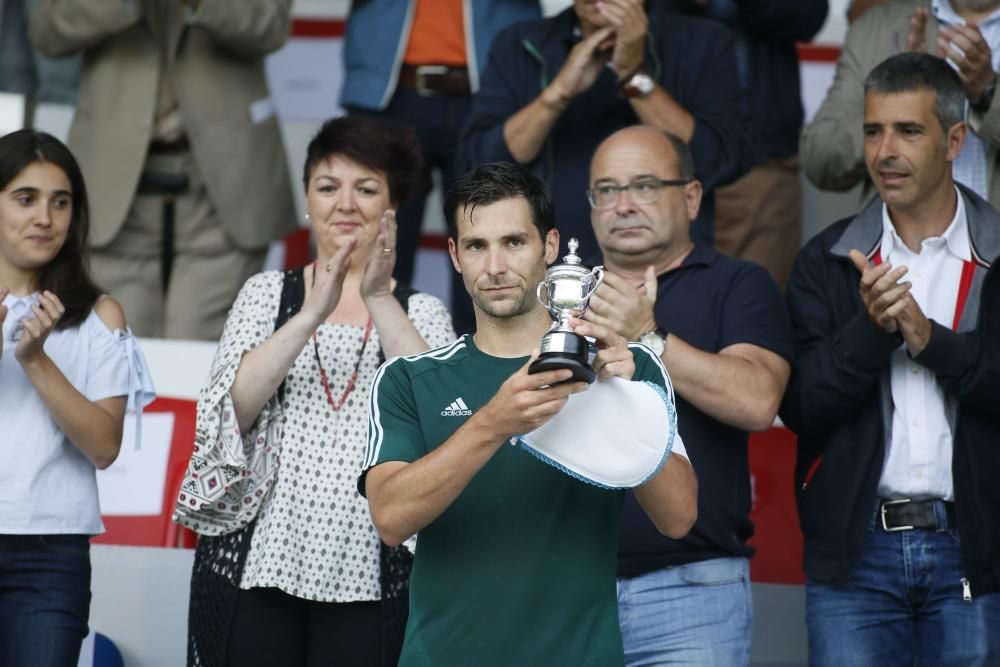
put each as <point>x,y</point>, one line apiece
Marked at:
<point>721,329</point>
<point>553,89</point>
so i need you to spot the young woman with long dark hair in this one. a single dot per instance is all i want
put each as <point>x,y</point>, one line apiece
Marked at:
<point>69,368</point>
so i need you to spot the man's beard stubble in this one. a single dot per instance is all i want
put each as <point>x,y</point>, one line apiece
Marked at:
<point>505,309</point>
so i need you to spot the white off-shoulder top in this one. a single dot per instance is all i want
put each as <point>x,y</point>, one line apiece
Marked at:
<point>47,485</point>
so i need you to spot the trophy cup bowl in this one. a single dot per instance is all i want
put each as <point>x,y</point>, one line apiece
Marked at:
<point>565,292</point>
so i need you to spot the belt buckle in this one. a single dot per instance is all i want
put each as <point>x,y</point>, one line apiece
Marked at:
<point>424,70</point>
<point>886,503</point>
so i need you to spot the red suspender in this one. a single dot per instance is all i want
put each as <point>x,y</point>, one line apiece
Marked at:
<point>964,285</point>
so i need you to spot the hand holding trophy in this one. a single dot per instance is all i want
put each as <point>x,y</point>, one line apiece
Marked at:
<point>567,288</point>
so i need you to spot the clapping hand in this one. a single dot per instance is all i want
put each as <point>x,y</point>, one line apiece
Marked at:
<point>880,288</point>
<point>965,46</point>
<point>328,283</point>
<point>377,279</point>
<point>889,303</point>
<point>35,330</point>
<point>628,19</point>
<point>581,68</point>
<point>619,305</point>
<point>916,36</point>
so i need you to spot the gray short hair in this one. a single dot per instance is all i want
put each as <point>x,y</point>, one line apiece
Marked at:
<point>907,72</point>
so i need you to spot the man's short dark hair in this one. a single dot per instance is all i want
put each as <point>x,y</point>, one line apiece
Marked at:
<point>497,181</point>
<point>908,72</point>
<point>685,158</point>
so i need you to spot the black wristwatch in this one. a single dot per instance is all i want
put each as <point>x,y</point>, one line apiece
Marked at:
<point>982,105</point>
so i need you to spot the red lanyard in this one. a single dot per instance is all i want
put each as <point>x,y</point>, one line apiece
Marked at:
<point>337,405</point>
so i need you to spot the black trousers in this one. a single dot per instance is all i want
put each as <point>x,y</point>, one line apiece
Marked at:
<point>272,628</point>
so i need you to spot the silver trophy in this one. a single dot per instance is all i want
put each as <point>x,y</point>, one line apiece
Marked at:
<point>567,289</point>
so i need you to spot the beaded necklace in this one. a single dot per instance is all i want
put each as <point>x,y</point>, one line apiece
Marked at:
<point>337,405</point>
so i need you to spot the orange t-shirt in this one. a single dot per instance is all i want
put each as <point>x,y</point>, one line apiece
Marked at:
<point>437,36</point>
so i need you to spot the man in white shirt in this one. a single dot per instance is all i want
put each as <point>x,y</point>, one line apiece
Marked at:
<point>894,395</point>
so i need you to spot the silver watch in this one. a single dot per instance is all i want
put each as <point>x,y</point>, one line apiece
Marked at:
<point>638,85</point>
<point>656,340</point>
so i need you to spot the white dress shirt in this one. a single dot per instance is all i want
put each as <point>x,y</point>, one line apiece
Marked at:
<point>918,453</point>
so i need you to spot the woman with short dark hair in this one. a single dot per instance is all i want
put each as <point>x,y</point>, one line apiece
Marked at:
<point>69,369</point>
<point>289,569</point>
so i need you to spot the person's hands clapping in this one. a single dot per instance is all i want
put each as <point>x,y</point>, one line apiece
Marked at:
<point>581,68</point>
<point>916,35</point>
<point>630,24</point>
<point>377,279</point>
<point>619,305</point>
<point>880,289</point>
<point>965,46</point>
<point>35,330</point>
<point>328,283</point>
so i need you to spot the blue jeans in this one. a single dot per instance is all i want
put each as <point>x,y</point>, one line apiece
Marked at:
<point>44,599</point>
<point>699,614</point>
<point>903,606</point>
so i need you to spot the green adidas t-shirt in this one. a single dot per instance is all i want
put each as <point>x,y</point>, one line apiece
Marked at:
<point>520,569</point>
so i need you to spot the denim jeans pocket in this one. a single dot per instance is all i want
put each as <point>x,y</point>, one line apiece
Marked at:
<point>714,572</point>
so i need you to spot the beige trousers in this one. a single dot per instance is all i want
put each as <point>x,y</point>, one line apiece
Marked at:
<point>759,217</point>
<point>206,272</point>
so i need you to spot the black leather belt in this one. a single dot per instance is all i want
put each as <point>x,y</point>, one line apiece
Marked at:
<point>162,183</point>
<point>158,147</point>
<point>435,79</point>
<point>906,514</point>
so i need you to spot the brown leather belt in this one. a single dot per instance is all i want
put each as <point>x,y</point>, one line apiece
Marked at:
<point>435,79</point>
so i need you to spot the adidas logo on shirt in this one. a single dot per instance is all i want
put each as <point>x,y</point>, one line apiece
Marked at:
<point>458,408</point>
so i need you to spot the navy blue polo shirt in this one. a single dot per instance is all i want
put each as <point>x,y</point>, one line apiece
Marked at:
<point>710,301</point>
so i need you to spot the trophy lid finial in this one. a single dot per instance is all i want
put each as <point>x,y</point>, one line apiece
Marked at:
<point>572,257</point>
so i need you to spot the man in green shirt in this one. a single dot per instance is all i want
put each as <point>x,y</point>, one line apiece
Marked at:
<point>516,560</point>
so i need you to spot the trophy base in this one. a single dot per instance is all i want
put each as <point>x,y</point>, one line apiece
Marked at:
<point>553,361</point>
<point>561,348</point>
